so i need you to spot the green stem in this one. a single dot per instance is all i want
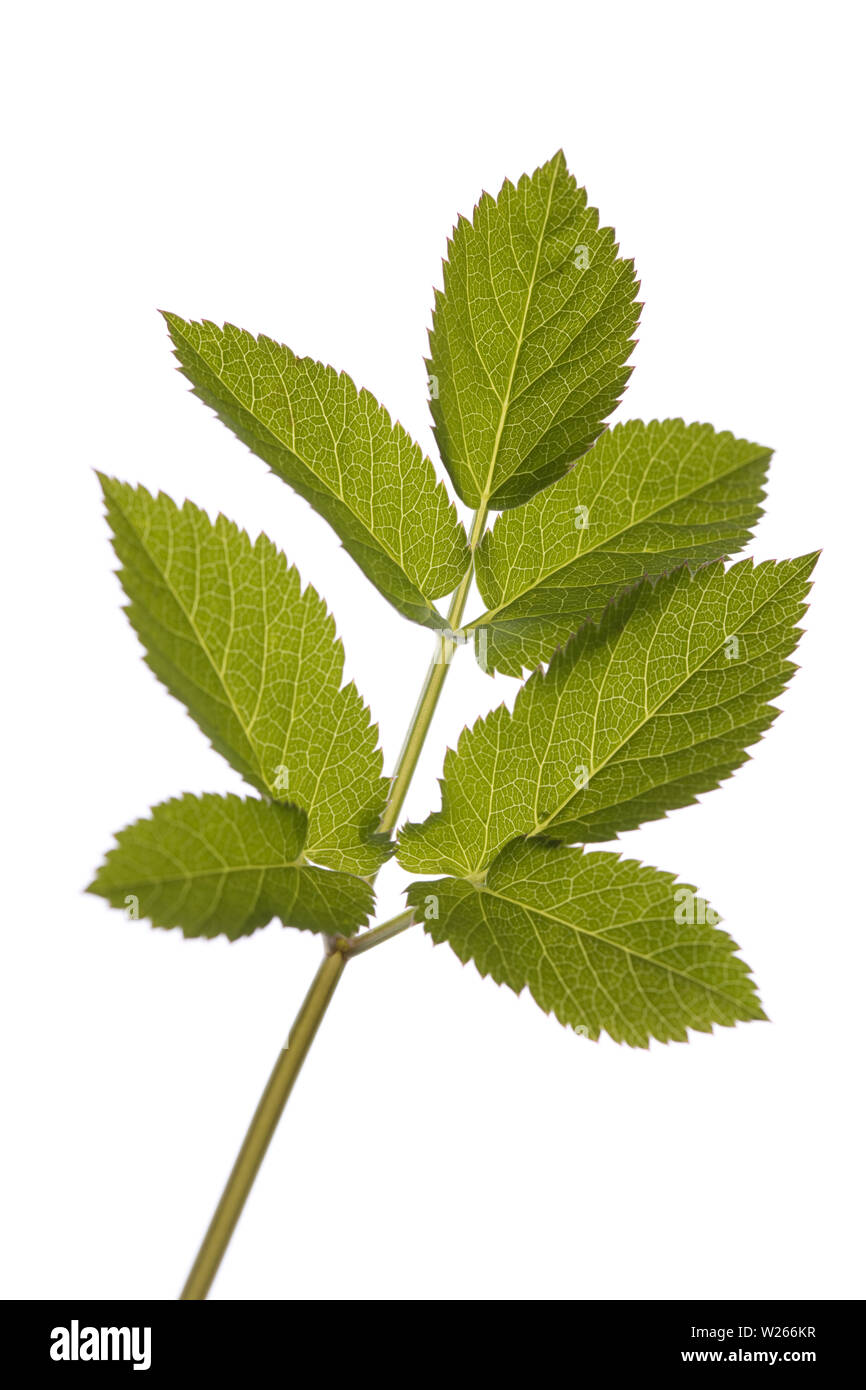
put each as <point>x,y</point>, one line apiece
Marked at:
<point>291,1059</point>
<point>349,946</point>
<point>431,690</point>
<point>262,1127</point>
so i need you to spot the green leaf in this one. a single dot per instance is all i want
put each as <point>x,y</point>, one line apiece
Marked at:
<point>222,865</point>
<point>603,943</point>
<point>530,338</point>
<point>635,716</point>
<point>228,629</point>
<point>644,499</point>
<point>339,449</point>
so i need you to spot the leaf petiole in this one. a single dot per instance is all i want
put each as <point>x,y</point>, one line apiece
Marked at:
<point>365,941</point>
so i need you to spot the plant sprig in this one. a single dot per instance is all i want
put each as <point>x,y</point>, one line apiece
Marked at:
<point>654,666</point>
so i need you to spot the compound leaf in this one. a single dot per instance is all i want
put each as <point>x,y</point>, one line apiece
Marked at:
<point>603,943</point>
<point>644,499</point>
<point>222,865</point>
<point>635,716</point>
<point>530,338</point>
<point>227,627</point>
<point>340,450</point>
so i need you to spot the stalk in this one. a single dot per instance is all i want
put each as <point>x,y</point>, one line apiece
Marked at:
<point>262,1127</point>
<point>338,951</point>
<point>431,689</point>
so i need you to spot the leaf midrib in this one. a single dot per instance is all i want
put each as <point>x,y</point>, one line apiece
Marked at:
<point>651,713</point>
<point>255,762</point>
<point>292,451</point>
<point>487,490</point>
<point>218,871</point>
<point>615,945</point>
<point>546,576</point>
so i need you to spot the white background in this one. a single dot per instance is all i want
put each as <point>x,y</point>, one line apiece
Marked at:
<point>296,169</point>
